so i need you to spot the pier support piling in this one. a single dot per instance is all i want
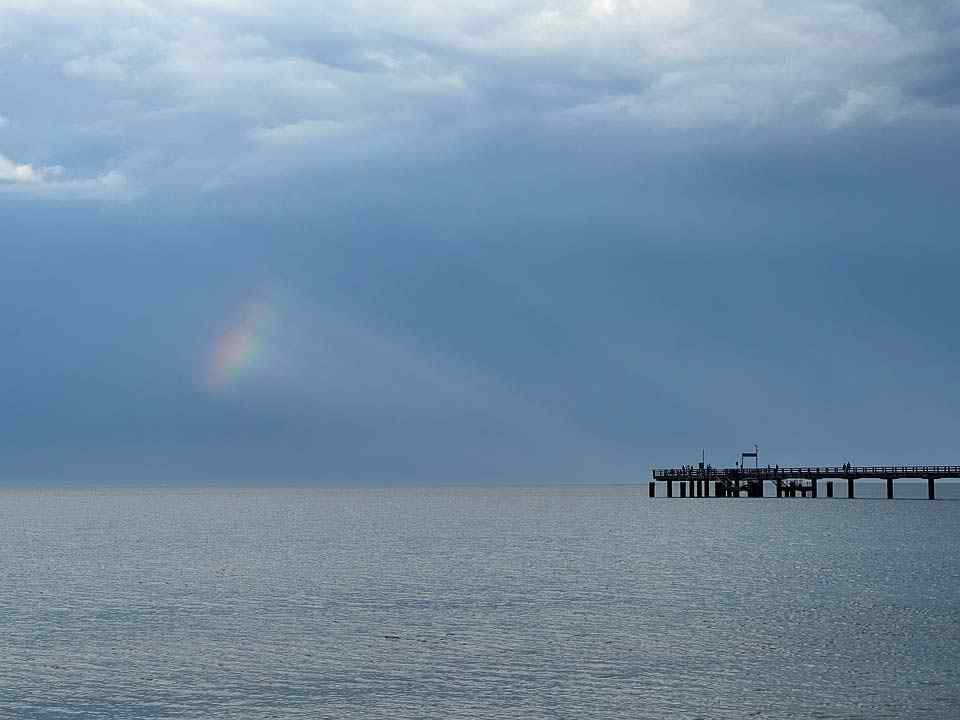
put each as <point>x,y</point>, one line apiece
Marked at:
<point>889,488</point>
<point>813,487</point>
<point>850,488</point>
<point>931,490</point>
<point>683,489</point>
<point>653,488</point>
<point>669,488</point>
<point>829,488</point>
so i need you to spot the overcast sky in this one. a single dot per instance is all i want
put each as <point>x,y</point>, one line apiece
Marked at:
<point>511,241</point>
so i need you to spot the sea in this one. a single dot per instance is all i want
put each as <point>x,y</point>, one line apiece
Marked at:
<point>460,602</point>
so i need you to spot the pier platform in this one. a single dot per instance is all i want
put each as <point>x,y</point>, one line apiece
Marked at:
<point>696,481</point>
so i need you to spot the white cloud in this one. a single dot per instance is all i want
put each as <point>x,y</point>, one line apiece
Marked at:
<point>101,68</point>
<point>53,181</point>
<point>11,172</point>
<point>217,85</point>
<point>307,132</point>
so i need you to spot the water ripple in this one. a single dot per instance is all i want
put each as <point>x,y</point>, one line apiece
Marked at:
<point>537,603</point>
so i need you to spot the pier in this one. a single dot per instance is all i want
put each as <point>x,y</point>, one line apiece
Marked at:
<point>698,481</point>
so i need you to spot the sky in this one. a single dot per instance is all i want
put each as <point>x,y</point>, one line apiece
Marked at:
<point>395,243</point>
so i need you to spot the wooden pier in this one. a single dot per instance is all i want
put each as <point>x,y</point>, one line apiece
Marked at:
<point>697,481</point>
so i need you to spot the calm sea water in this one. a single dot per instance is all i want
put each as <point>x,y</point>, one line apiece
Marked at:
<point>459,603</point>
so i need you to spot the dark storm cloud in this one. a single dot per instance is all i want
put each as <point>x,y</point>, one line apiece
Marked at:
<point>518,242</point>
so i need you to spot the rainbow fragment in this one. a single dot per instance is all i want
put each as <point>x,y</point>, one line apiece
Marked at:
<point>238,348</point>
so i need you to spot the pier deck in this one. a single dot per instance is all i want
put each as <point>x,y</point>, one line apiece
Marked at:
<point>791,481</point>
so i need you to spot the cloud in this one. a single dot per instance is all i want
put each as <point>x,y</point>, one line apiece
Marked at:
<point>11,172</point>
<point>224,93</point>
<point>885,104</point>
<point>53,181</point>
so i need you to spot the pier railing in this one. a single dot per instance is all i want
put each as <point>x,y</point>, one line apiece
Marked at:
<point>785,473</point>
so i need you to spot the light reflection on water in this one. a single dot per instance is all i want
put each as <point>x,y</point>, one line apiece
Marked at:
<point>523,603</point>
